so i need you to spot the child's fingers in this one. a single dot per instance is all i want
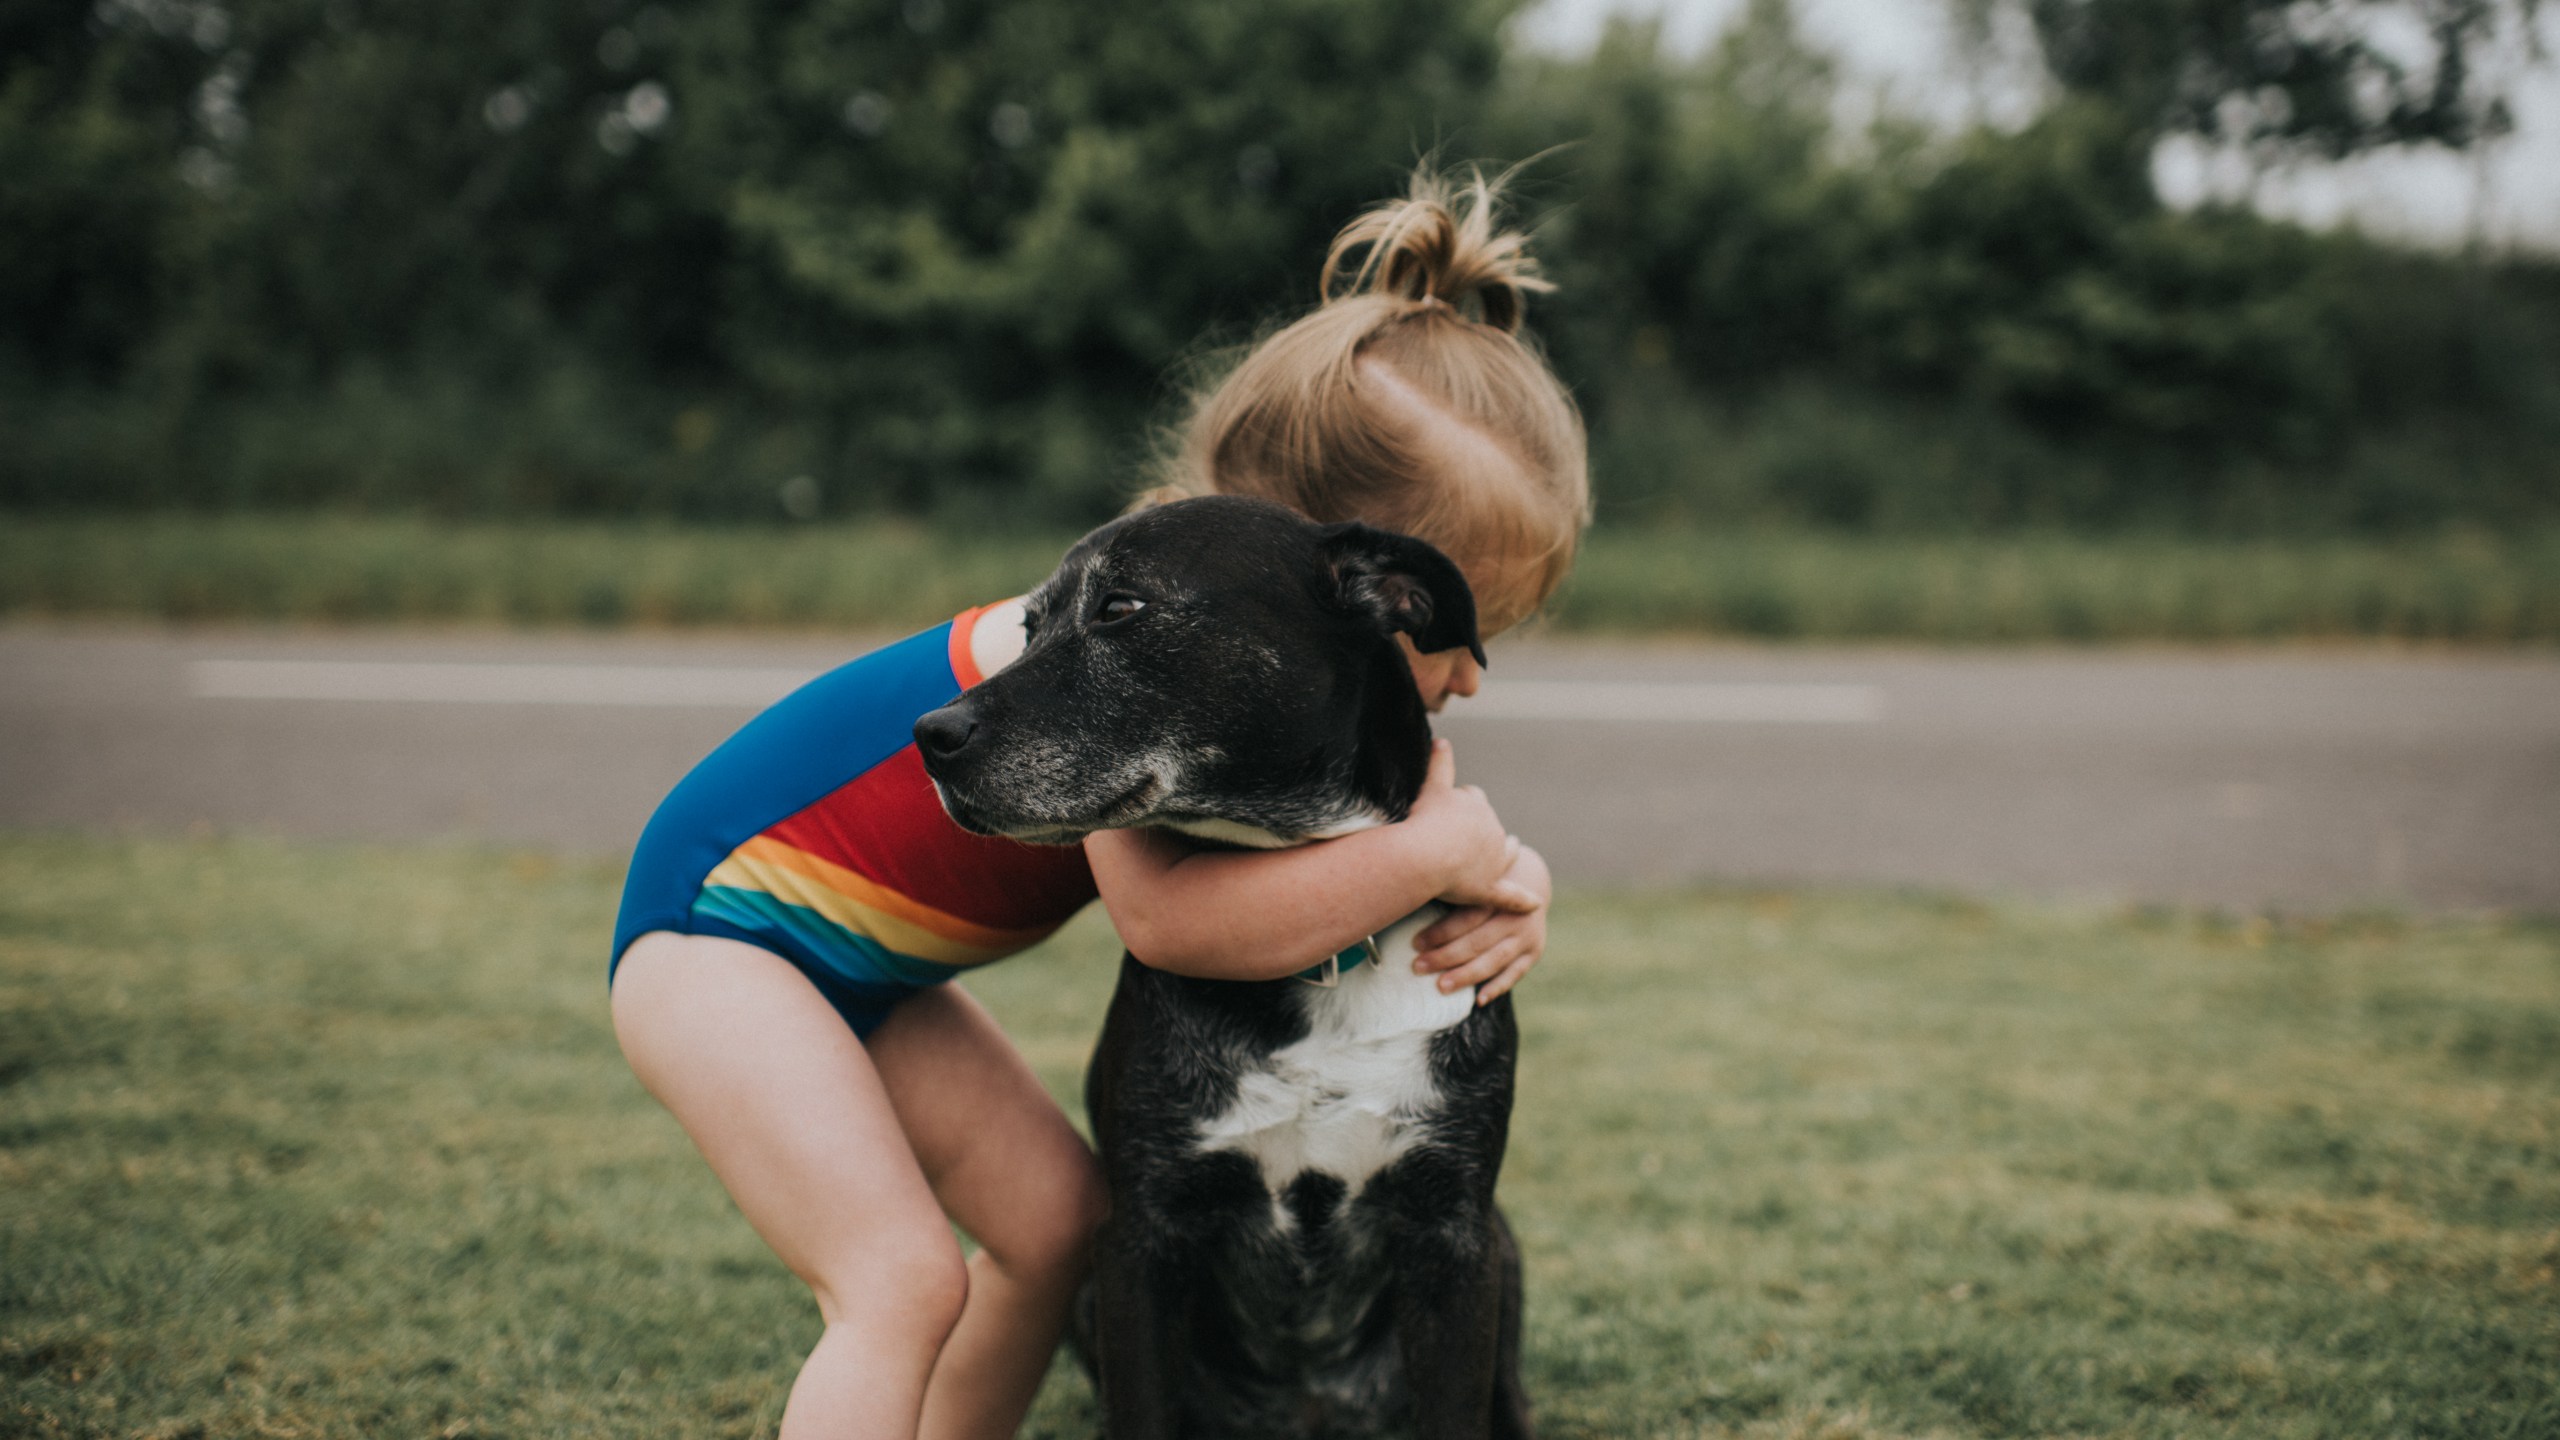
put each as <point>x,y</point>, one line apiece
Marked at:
<point>1464,948</point>
<point>1493,989</point>
<point>1485,966</point>
<point>1450,926</point>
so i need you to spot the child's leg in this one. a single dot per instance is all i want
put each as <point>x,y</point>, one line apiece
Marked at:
<point>784,1103</point>
<point>1014,1174</point>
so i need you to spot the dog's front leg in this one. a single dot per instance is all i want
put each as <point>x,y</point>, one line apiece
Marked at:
<point>1449,1298</point>
<point>1452,1277</point>
<point>1133,1339</point>
<point>1510,1401</point>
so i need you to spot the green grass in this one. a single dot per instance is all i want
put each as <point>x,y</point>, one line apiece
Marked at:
<point>340,568</point>
<point>1803,586</point>
<point>303,1140</point>
<point>2472,588</point>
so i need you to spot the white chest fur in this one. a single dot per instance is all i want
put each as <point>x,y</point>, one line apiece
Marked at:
<point>1356,1093</point>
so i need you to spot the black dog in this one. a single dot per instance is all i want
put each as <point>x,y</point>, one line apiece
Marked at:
<point>1303,1240</point>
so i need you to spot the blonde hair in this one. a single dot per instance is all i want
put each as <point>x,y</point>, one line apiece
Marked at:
<point>1409,399</point>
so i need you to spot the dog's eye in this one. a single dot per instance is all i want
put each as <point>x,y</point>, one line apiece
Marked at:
<point>1118,607</point>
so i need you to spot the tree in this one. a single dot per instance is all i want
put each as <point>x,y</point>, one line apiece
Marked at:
<point>672,256</point>
<point>980,233</point>
<point>93,115</point>
<point>2322,78</point>
<point>1709,219</point>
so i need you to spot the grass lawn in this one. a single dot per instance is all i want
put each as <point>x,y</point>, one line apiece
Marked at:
<point>2473,588</point>
<point>301,1140</point>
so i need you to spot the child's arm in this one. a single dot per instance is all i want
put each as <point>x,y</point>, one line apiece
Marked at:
<point>1263,914</point>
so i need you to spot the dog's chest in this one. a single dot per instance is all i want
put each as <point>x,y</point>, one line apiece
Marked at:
<point>1356,1092</point>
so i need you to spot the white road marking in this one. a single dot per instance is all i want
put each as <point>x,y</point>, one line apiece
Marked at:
<point>741,687</point>
<point>411,681</point>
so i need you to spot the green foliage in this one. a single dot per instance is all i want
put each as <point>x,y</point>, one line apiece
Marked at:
<point>317,1140</point>
<point>86,194</point>
<point>2329,78</point>
<point>1702,222</point>
<point>603,258</point>
<point>886,575</point>
<point>726,260</point>
<point>1999,327</point>
<point>980,234</point>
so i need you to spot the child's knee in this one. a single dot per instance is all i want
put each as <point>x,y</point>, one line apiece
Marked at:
<point>912,1279</point>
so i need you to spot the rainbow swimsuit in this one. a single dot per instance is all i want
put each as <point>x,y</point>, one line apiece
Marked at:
<point>814,833</point>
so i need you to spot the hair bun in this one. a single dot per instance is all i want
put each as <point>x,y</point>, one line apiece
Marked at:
<point>1437,246</point>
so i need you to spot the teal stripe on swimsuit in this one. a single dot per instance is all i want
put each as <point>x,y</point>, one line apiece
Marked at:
<point>820,938</point>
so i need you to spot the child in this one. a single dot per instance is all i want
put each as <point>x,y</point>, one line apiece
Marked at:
<point>796,902</point>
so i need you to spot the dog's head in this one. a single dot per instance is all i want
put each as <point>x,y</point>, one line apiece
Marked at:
<point>1218,666</point>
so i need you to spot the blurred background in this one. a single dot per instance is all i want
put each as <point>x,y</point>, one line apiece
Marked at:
<point>1892,266</point>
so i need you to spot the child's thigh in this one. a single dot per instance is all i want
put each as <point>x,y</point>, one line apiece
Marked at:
<point>782,1100</point>
<point>1007,1163</point>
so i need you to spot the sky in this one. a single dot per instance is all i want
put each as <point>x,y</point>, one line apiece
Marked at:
<point>1903,52</point>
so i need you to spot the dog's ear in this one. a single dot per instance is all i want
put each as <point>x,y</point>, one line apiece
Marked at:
<point>1406,586</point>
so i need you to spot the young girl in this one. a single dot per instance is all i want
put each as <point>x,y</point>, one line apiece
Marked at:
<point>795,904</point>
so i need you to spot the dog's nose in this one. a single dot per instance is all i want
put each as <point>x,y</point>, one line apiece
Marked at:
<point>944,733</point>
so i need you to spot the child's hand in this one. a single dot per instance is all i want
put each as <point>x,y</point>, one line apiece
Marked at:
<point>1487,948</point>
<point>1464,839</point>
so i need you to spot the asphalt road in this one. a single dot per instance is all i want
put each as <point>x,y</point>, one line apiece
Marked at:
<point>2299,779</point>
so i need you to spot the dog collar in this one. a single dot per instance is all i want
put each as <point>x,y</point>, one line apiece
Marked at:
<point>1329,974</point>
